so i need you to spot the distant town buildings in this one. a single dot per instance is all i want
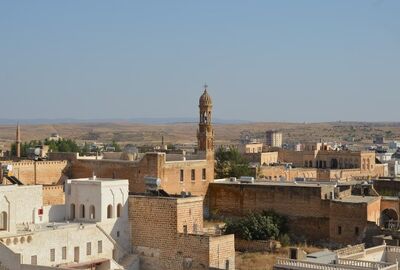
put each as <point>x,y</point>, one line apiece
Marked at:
<point>394,145</point>
<point>54,137</point>
<point>379,139</point>
<point>273,138</point>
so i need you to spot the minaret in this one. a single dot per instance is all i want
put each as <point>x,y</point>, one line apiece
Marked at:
<point>18,141</point>
<point>205,134</point>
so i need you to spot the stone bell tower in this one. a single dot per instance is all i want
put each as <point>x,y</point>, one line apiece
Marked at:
<point>205,133</point>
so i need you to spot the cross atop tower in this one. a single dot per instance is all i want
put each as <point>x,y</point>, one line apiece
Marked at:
<point>205,86</point>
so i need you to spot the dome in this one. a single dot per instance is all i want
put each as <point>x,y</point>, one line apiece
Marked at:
<point>205,99</point>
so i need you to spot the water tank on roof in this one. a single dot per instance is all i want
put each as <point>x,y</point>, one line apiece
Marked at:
<point>246,179</point>
<point>152,183</point>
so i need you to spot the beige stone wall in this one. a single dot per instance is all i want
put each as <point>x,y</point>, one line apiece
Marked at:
<point>39,172</point>
<point>265,158</point>
<point>277,172</point>
<point>222,252</point>
<point>295,157</point>
<point>251,148</point>
<point>364,160</point>
<point>166,233</point>
<point>152,164</point>
<point>348,222</point>
<point>53,195</point>
<point>238,200</point>
<point>309,213</point>
<point>170,175</point>
<point>134,171</point>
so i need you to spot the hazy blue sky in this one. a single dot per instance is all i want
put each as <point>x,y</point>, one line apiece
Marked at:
<point>263,60</point>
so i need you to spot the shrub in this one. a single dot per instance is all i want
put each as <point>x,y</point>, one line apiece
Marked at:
<point>258,226</point>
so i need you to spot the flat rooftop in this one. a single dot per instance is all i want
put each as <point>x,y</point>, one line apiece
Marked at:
<point>96,179</point>
<point>283,183</point>
<point>42,227</point>
<point>357,199</point>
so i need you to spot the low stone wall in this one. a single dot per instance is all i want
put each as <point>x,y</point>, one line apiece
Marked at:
<point>256,245</point>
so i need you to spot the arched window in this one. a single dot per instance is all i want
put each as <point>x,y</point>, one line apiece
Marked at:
<point>109,211</point>
<point>72,212</point>
<point>82,211</point>
<point>3,221</point>
<point>119,210</point>
<point>92,212</point>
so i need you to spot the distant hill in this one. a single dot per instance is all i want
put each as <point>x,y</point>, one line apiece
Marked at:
<point>183,130</point>
<point>144,120</point>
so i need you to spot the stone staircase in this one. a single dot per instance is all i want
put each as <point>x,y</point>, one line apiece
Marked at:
<point>126,260</point>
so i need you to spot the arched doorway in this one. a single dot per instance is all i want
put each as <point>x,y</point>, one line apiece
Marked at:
<point>119,210</point>
<point>72,212</point>
<point>82,211</point>
<point>389,218</point>
<point>3,221</point>
<point>92,212</point>
<point>109,211</point>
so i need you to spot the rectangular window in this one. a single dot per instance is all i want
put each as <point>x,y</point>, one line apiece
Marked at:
<point>193,175</point>
<point>339,230</point>
<point>64,253</point>
<point>76,254</point>
<point>181,176</point>
<point>88,248</point>
<point>356,231</point>
<point>52,255</point>
<point>203,174</point>
<point>99,246</point>
<point>34,260</point>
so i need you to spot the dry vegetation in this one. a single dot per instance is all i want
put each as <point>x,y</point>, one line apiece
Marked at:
<point>264,260</point>
<point>186,132</point>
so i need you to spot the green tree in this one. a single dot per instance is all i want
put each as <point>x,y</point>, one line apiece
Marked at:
<point>116,146</point>
<point>258,226</point>
<point>24,147</point>
<point>230,163</point>
<point>62,145</point>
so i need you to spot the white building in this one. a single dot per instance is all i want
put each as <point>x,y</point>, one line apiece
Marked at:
<point>348,258</point>
<point>90,230</point>
<point>101,201</point>
<point>384,157</point>
<point>394,145</point>
<point>394,168</point>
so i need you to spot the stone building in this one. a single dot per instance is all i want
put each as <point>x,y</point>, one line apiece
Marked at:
<point>325,212</point>
<point>250,148</point>
<point>168,233</point>
<point>103,201</point>
<point>190,173</point>
<point>320,162</point>
<point>273,138</point>
<point>34,236</point>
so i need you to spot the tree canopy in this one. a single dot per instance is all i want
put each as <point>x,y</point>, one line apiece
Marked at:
<point>230,163</point>
<point>258,226</point>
